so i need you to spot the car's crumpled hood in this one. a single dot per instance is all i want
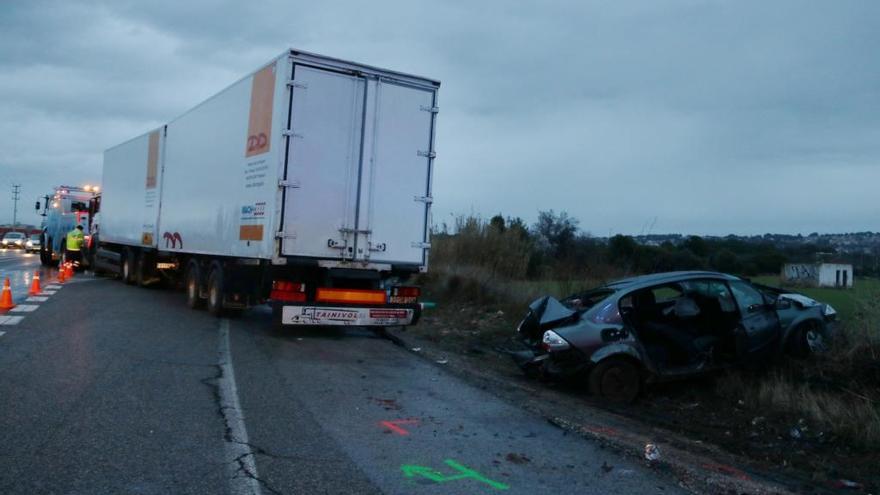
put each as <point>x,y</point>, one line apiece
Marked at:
<point>802,300</point>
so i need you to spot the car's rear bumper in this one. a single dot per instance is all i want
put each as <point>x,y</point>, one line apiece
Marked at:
<point>318,314</point>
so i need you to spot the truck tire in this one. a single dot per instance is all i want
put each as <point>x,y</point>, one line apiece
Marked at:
<point>616,380</point>
<point>140,271</point>
<point>45,257</point>
<point>215,290</point>
<point>128,261</point>
<point>192,284</point>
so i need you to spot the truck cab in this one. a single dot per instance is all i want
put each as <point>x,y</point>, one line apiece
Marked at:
<point>62,211</point>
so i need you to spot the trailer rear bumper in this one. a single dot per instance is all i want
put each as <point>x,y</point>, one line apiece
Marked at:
<point>343,315</point>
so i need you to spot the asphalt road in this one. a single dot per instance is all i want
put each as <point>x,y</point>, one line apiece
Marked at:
<point>19,267</point>
<point>108,388</point>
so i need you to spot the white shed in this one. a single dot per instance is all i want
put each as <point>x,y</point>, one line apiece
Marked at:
<point>818,274</point>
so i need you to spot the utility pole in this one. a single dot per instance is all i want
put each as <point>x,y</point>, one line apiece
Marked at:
<point>16,194</point>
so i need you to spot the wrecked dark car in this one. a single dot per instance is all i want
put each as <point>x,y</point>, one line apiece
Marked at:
<point>667,326</point>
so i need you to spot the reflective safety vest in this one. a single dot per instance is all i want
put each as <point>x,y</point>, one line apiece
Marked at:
<point>75,240</point>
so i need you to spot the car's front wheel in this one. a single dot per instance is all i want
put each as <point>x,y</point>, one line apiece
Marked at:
<point>616,380</point>
<point>807,339</point>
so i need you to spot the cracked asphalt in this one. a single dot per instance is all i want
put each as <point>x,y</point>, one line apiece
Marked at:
<point>108,388</point>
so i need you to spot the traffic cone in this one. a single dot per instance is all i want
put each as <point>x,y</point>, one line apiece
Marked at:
<point>6,297</point>
<point>61,274</point>
<point>69,270</point>
<point>35,285</point>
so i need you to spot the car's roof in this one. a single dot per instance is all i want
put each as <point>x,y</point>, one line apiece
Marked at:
<point>13,234</point>
<point>665,278</point>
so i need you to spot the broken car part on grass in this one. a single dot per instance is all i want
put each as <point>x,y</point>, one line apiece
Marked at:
<point>667,326</point>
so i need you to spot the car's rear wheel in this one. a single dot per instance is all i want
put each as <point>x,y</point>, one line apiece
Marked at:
<point>616,380</point>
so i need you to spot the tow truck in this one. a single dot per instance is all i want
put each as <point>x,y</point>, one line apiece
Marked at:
<point>62,211</point>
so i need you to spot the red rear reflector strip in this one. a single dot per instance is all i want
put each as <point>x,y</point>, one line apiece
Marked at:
<point>282,295</point>
<point>406,291</point>
<point>356,296</point>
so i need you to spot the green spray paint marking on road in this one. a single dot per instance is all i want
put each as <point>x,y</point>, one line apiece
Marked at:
<point>410,470</point>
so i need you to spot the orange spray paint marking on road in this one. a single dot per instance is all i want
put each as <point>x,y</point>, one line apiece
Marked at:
<point>394,426</point>
<point>728,470</point>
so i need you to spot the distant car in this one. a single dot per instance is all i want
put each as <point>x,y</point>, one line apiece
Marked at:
<point>13,240</point>
<point>33,243</point>
<point>667,326</point>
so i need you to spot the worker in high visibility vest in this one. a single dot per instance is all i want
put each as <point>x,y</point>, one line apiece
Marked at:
<point>73,248</point>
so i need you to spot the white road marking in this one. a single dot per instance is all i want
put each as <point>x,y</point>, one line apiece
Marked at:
<point>48,292</point>
<point>10,320</point>
<point>240,458</point>
<point>24,308</point>
<point>37,299</point>
<point>53,287</point>
<point>2,334</point>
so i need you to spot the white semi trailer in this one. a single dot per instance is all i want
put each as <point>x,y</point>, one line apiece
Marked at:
<point>307,185</point>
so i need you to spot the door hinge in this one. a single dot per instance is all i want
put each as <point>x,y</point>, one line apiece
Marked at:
<point>430,109</point>
<point>289,132</point>
<point>423,199</point>
<point>421,245</point>
<point>427,154</point>
<point>296,84</point>
<point>285,235</point>
<point>294,183</point>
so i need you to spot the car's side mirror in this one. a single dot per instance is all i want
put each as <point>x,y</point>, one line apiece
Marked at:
<point>783,304</point>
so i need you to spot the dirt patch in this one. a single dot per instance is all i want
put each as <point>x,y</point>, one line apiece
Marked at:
<point>708,411</point>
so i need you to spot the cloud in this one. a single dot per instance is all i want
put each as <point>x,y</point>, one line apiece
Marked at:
<point>712,117</point>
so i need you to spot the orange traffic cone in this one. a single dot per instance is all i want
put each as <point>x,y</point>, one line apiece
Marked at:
<point>62,274</point>
<point>6,297</point>
<point>35,285</point>
<point>69,268</point>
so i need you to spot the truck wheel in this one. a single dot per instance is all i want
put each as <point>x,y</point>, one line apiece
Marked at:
<point>140,272</point>
<point>215,291</point>
<point>128,260</point>
<point>193,298</point>
<point>44,256</point>
<point>616,380</point>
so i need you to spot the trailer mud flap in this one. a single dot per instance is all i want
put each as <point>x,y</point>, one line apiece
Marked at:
<point>336,316</point>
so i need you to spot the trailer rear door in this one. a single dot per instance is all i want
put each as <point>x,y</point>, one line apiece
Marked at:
<point>323,163</point>
<point>395,192</point>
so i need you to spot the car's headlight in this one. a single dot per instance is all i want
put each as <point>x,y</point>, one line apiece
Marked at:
<point>828,311</point>
<point>553,342</point>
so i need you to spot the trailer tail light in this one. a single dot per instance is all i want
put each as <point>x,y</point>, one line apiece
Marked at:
<point>405,295</point>
<point>354,296</point>
<point>282,290</point>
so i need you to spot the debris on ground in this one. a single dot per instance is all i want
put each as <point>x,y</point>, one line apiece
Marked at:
<point>417,349</point>
<point>850,485</point>
<point>442,361</point>
<point>517,458</point>
<point>606,467</point>
<point>652,453</point>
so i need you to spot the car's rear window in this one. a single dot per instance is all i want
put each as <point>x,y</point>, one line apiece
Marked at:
<point>14,235</point>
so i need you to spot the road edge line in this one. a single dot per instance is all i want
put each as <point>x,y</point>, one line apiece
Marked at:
<point>243,477</point>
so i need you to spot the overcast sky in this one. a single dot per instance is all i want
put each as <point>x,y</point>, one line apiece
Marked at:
<point>635,117</point>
